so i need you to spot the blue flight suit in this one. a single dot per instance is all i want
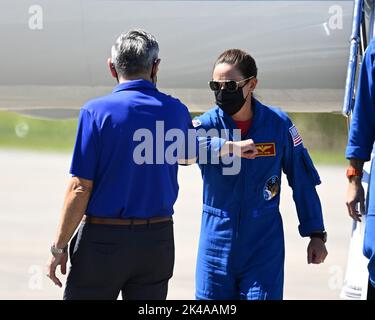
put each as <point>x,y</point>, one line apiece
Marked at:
<point>241,247</point>
<point>360,144</point>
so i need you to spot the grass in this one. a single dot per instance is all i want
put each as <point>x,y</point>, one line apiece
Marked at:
<point>324,135</point>
<point>329,158</point>
<point>22,132</point>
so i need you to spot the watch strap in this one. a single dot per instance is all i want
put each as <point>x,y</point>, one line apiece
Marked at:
<point>322,235</point>
<point>353,172</point>
<point>55,250</point>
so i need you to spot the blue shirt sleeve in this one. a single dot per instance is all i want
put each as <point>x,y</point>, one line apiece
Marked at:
<point>85,154</point>
<point>362,131</point>
<point>302,178</point>
<point>189,149</point>
<point>209,144</point>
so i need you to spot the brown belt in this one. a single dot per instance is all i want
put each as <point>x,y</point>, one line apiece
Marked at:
<point>124,222</point>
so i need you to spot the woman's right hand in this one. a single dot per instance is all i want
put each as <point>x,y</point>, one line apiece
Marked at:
<point>244,149</point>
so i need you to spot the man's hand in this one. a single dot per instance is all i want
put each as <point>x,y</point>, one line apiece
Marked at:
<point>53,262</point>
<point>76,199</point>
<point>355,196</point>
<point>244,149</point>
<point>316,251</point>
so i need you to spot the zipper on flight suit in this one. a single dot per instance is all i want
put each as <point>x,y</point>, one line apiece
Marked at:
<point>243,178</point>
<point>244,175</point>
<point>238,223</point>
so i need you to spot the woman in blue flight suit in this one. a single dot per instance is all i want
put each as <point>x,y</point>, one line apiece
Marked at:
<point>241,247</point>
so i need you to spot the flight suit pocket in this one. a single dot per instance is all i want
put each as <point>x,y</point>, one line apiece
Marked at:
<point>215,211</point>
<point>265,211</point>
<point>216,225</point>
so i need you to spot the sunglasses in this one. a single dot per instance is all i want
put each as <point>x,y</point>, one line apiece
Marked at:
<point>228,85</point>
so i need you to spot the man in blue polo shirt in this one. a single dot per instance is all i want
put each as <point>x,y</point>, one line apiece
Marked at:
<point>123,192</point>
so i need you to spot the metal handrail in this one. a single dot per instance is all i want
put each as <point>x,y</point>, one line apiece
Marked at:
<point>353,58</point>
<point>372,20</point>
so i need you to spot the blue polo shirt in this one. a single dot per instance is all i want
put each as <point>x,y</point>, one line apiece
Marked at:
<point>111,131</point>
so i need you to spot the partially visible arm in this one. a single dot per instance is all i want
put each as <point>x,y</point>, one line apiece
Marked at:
<point>188,155</point>
<point>244,149</point>
<point>83,168</point>
<point>362,127</point>
<point>76,199</point>
<point>303,177</point>
<point>362,133</point>
<point>356,193</point>
<point>357,163</point>
<point>211,147</point>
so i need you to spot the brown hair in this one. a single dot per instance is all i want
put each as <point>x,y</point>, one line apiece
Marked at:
<point>243,61</point>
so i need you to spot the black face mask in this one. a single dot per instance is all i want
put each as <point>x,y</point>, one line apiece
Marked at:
<point>230,102</point>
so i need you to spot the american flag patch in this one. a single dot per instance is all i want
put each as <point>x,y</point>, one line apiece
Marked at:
<point>297,139</point>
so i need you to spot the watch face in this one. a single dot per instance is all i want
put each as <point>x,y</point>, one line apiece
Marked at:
<point>55,250</point>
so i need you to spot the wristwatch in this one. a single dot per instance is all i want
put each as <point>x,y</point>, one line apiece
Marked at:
<point>55,250</point>
<point>322,235</point>
<point>353,172</point>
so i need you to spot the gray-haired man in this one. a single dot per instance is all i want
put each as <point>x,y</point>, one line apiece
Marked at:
<point>125,242</point>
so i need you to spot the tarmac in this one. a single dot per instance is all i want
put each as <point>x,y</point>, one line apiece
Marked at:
<point>32,188</point>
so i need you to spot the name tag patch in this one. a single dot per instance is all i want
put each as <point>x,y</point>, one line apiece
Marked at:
<point>266,149</point>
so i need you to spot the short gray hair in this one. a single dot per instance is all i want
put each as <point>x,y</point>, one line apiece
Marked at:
<point>134,52</point>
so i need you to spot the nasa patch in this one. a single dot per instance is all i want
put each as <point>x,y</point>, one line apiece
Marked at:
<point>271,188</point>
